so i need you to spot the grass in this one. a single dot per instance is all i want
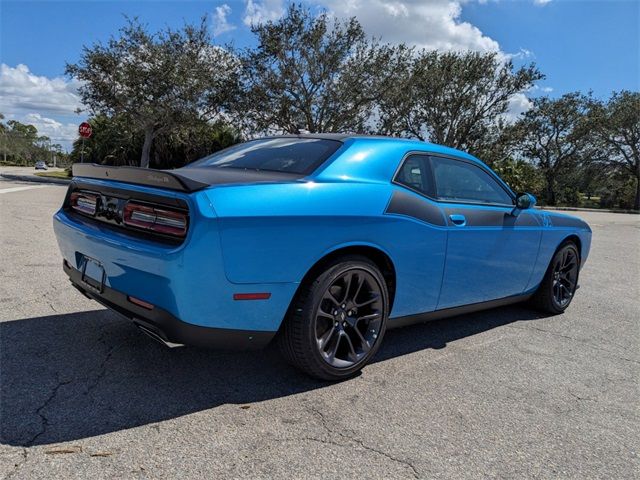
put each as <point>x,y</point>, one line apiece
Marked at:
<point>64,174</point>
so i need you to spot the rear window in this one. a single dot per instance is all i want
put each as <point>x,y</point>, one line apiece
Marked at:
<point>291,155</point>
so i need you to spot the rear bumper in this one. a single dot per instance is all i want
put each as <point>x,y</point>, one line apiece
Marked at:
<point>167,327</point>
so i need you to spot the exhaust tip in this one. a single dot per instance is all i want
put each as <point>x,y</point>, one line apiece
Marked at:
<point>149,332</point>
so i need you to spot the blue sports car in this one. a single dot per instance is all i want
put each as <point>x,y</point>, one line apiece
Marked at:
<point>319,241</point>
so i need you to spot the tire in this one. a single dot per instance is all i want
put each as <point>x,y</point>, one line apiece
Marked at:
<point>561,276</point>
<point>343,311</point>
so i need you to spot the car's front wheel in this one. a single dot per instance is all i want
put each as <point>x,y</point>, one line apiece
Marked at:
<point>337,320</point>
<point>559,284</point>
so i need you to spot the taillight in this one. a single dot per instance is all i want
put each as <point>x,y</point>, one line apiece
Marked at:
<point>147,217</point>
<point>84,202</point>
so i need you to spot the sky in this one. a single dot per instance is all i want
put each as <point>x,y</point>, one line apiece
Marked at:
<point>591,45</point>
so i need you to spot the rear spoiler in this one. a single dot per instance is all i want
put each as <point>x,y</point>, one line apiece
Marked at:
<point>139,176</point>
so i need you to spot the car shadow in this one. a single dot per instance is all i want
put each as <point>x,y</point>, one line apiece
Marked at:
<point>72,376</point>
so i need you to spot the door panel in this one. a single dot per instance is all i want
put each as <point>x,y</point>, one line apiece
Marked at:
<point>490,254</point>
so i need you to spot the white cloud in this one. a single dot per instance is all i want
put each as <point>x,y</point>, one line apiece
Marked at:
<point>518,104</point>
<point>58,132</point>
<point>522,54</point>
<point>541,2</point>
<point>21,91</point>
<point>537,88</point>
<point>433,24</point>
<point>257,12</point>
<point>220,21</point>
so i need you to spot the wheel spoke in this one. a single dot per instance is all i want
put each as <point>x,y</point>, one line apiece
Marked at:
<point>367,302</point>
<point>360,283</point>
<point>347,288</point>
<point>334,350</point>
<point>329,296</point>
<point>371,316</point>
<point>326,338</point>
<point>363,341</point>
<point>352,351</point>
<point>323,314</point>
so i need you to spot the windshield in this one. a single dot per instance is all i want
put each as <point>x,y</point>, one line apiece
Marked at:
<point>292,155</point>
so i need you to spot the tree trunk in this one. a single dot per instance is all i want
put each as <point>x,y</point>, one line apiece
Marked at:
<point>146,147</point>
<point>636,202</point>
<point>551,191</point>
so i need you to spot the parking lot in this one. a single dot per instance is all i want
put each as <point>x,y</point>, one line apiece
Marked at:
<point>506,393</point>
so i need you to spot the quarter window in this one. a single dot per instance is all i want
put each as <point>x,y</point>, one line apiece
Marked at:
<point>415,173</point>
<point>459,181</point>
<point>284,154</point>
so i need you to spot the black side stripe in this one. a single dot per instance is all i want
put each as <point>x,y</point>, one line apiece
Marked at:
<point>403,203</point>
<point>493,218</point>
<point>562,221</point>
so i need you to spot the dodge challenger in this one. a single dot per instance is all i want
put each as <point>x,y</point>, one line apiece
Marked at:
<point>320,242</point>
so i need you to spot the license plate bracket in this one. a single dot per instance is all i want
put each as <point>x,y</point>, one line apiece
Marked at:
<point>93,274</point>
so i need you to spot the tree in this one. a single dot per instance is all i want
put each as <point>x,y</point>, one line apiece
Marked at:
<point>21,143</point>
<point>554,135</point>
<point>114,142</point>
<point>520,175</point>
<point>313,72</point>
<point>616,123</point>
<point>452,98</point>
<point>156,81</point>
<point>193,141</point>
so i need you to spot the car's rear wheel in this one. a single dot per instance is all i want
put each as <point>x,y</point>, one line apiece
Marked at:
<point>337,320</point>
<point>559,284</point>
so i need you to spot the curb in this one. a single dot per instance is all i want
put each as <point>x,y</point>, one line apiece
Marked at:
<point>34,179</point>
<point>603,210</point>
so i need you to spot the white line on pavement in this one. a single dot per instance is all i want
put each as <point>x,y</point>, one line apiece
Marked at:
<point>18,189</point>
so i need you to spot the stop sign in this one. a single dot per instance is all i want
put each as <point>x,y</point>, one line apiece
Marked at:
<point>85,130</point>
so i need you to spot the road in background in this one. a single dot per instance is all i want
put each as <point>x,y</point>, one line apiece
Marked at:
<point>27,170</point>
<point>505,393</point>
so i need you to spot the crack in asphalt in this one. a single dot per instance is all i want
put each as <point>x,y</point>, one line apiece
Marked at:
<point>90,387</point>
<point>102,371</point>
<point>44,421</point>
<point>579,340</point>
<point>349,438</point>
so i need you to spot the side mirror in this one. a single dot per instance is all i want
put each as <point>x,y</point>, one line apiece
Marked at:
<point>524,201</point>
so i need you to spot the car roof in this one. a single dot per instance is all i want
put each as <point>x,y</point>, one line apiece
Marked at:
<point>413,142</point>
<point>408,143</point>
<point>341,137</point>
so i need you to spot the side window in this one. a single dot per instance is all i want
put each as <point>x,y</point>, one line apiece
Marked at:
<point>459,181</point>
<point>415,173</point>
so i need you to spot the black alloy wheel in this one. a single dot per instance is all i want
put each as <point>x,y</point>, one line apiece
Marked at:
<point>565,277</point>
<point>558,287</point>
<point>337,321</point>
<point>349,318</point>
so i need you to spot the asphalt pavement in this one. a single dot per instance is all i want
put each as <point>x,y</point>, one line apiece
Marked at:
<point>507,393</point>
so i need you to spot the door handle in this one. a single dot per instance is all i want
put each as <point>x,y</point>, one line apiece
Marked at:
<point>458,220</point>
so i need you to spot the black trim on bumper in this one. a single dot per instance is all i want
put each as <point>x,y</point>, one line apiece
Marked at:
<point>168,327</point>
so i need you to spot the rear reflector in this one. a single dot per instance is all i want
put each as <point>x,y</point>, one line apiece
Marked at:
<point>251,296</point>
<point>140,303</point>
<point>155,219</point>
<point>84,202</point>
